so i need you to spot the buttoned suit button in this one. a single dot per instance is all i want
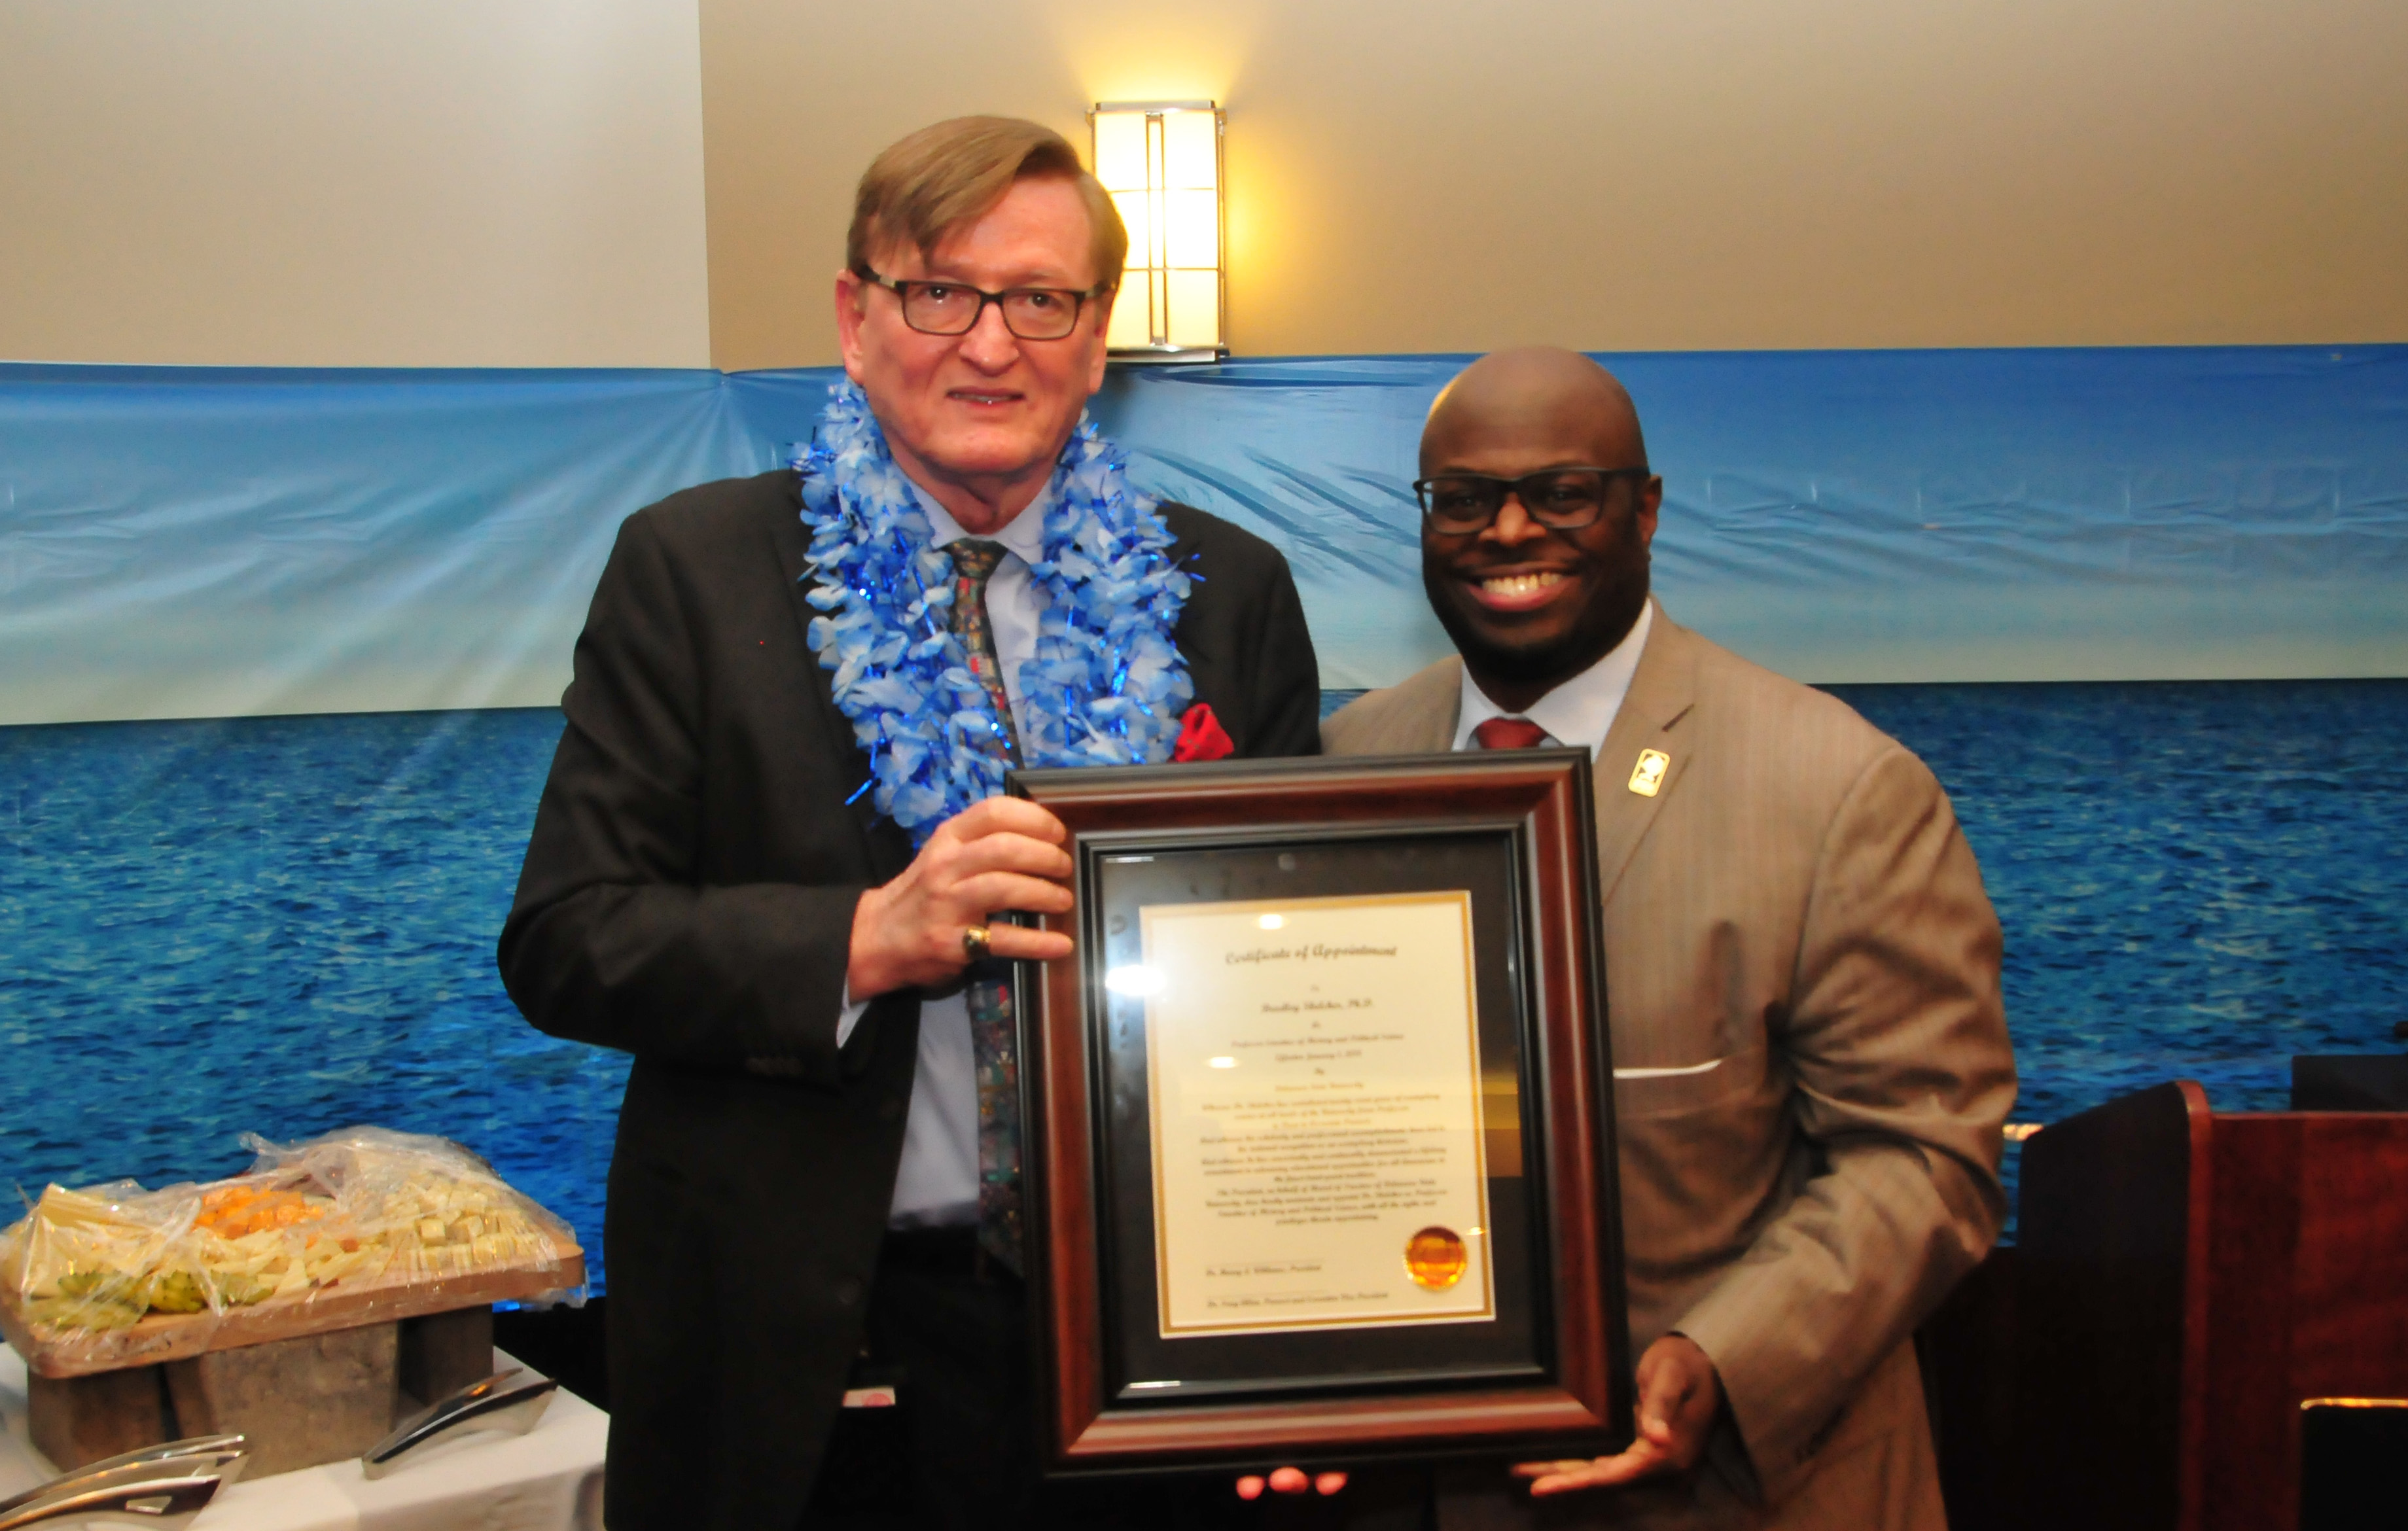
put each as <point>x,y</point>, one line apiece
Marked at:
<point>889,1109</point>
<point>848,1291</point>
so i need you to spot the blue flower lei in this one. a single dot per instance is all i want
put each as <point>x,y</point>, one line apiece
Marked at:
<point>1106,685</point>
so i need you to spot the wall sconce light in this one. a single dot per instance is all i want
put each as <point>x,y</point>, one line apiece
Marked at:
<point>1161,161</point>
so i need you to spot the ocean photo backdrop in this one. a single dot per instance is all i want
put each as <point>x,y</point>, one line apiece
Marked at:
<point>286,924</point>
<point>279,650</point>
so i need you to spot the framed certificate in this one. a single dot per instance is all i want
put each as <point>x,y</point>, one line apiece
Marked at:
<point>1317,1135</point>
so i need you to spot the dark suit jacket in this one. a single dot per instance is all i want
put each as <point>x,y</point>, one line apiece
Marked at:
<point>688,898</point>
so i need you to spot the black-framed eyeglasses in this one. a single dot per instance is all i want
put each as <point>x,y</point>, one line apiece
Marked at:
<point>1562,499</point>
<point>952,307</point>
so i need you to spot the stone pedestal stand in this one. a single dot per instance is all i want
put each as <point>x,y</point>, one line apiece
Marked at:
<point>302,1401</point>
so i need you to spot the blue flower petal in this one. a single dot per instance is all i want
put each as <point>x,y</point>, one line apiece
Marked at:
<point>1106,683</point>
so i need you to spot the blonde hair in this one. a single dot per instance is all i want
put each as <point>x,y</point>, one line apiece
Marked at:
<point>942,178</point>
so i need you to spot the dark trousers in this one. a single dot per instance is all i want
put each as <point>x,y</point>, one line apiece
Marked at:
<point>958,1450</point>
<point>944,1330</point>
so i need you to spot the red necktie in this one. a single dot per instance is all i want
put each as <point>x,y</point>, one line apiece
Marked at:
<point>1509,734</point>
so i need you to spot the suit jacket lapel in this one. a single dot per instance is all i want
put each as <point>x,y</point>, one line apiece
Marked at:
<point>1434,714</point>
<point>1662,691</point>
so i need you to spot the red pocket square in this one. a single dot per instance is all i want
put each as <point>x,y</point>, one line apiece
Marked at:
<point>1201,736</point>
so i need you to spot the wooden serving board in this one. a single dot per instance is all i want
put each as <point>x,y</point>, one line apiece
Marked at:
<point>179,1337</point>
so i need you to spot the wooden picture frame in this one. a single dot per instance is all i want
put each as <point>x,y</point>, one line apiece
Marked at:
<point>1549,1372</point>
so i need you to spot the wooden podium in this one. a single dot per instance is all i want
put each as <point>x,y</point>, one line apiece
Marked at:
<point>2187,1283</point>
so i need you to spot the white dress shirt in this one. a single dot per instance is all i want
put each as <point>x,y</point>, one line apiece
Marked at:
<point>938,1182</point>
<point>1579,710</point>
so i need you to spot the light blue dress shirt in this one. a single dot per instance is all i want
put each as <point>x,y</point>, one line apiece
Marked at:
<point>937,1184</point>
<point>1582,710</point>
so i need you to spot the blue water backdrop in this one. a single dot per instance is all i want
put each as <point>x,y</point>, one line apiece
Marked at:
<point>286,924</point>
<point>280,925</point>
<point>2197,880</point>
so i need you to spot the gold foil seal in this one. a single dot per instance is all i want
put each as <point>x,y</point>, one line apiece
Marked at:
<point>1436,1258</point>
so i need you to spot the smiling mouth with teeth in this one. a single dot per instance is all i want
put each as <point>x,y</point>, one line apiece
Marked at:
<point>1518,587</point>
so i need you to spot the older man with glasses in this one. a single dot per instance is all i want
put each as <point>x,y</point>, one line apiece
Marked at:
<point>770,856</point>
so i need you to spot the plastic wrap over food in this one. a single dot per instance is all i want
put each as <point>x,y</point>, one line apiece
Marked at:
<point>355,1227</point>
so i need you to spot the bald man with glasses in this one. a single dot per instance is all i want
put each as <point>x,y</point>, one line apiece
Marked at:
<point>1811,1056</point>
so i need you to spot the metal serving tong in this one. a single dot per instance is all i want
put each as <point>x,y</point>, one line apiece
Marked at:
<point>158,1485</point>
<point>497,1403</point>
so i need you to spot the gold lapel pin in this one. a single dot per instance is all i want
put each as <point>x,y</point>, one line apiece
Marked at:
<point>1648,776</point>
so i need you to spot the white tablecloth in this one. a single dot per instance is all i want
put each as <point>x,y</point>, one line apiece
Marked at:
<point>548,1479</point>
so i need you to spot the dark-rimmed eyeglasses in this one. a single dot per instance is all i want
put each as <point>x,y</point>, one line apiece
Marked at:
<point>1563,499</point>
<point>952,307</point>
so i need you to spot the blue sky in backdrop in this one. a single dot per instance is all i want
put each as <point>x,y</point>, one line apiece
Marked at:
<point>197,542</point>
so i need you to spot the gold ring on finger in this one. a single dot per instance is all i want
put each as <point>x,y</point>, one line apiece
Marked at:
<point>974,941</point>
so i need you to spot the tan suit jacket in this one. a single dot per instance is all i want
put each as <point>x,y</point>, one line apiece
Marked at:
<point>1812,1067</point>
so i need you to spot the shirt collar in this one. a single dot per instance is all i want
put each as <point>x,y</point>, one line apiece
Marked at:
<point>1579,710</point>
<point>1023,536</point>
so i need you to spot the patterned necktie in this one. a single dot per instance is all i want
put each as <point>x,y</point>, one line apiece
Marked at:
<point>995,1039</point>
<point>1509,734</point>
<point>974,563</point>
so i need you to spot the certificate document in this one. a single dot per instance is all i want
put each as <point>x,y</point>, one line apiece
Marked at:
<point>1313,1072</point>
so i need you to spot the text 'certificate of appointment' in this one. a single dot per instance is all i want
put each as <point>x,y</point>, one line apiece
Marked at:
<point>1314,1074</point>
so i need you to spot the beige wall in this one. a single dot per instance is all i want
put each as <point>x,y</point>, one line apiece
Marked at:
<point>522,182</point>
<point>353,182</point>
<point>1426,175</point>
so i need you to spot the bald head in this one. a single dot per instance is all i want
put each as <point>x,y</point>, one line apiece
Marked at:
<point>1531,603</point>
<point>1540,390</point>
